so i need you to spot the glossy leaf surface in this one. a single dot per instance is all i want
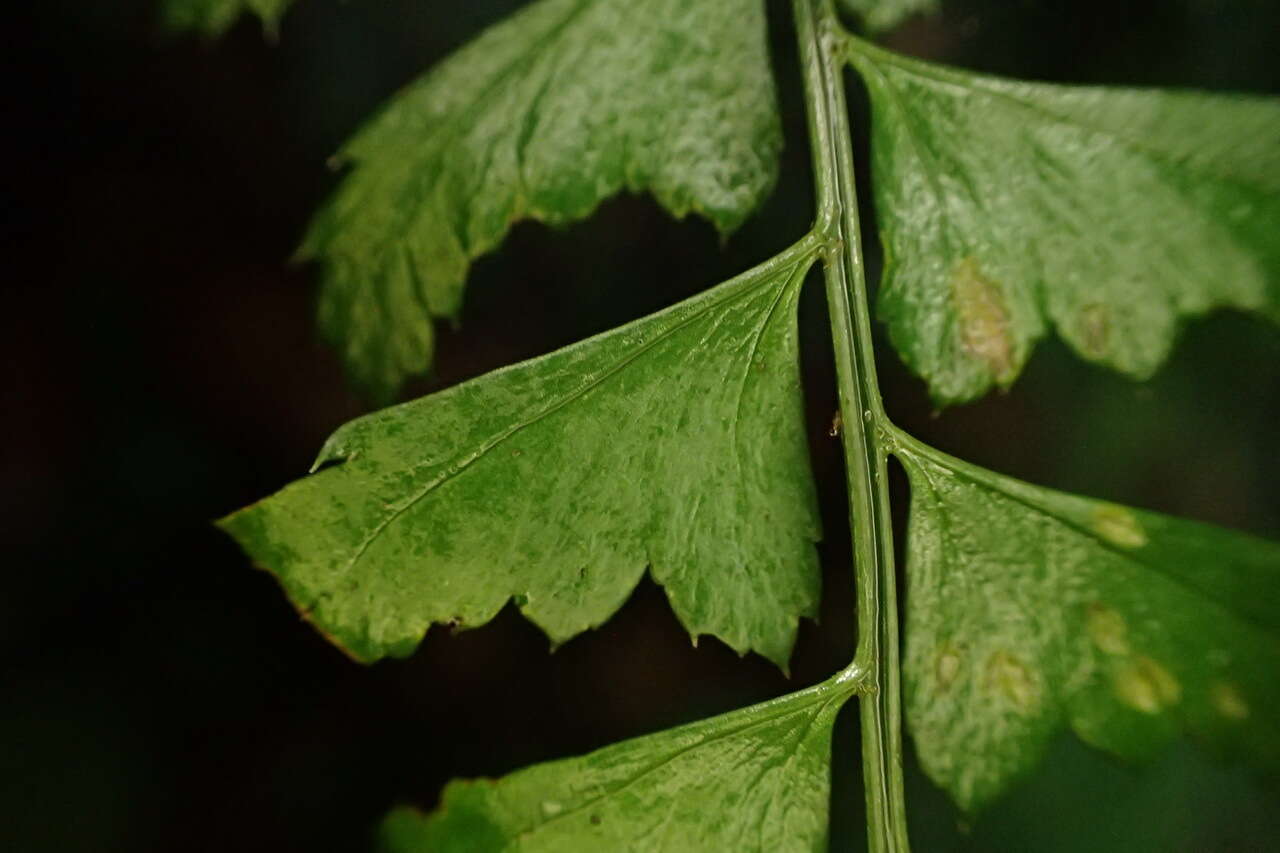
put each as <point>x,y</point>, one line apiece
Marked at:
<point>752,780</point>
<point>541,117</point>
<point>1030,610</point>
<point>1110,215</point>
<point>676,441</point>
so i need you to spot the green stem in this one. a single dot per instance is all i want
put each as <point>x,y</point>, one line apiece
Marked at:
<point>865,424</point>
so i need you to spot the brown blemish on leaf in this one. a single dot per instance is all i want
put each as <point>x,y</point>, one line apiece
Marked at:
<point>947,666</point>
<point>1227,701</point>
<point>1118,526</point>
<point>1145,685</point>
<point>1095,330</point>
<point>1011,678</point>
<point>1108,629</point>
<point>983,320</point>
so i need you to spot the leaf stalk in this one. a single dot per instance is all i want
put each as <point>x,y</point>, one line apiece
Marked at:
<point>865,435</point>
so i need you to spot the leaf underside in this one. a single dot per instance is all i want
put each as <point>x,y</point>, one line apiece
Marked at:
<point>214,17</point>
<point>1030,610</point>
<point>543,116</point>
<point>752,780</point>
<point>676,442</point>
<point>1111,215</point>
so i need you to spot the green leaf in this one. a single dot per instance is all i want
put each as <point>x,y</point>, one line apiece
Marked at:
<point>1029,610</point>
<point>752,780</point>
<point>542,117</point>
<point>215,17</point>
<point>1109,214</point>
<point>676,441</point>
<point>880,15</point>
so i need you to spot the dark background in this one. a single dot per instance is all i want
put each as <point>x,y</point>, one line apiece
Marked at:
<point>160,368</point>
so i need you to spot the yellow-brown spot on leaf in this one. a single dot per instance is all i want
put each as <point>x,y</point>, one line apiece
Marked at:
<point>1144,685</point>
<point>1095,330</point>
<point>1011,678</point>
<point>1107,629</point>
<point>984,321</point>
<point>1227,701</point>
<point>947,666</point>
<point>1118,526</point>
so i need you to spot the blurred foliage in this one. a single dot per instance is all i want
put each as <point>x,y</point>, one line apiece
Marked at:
<point>163,368</point>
